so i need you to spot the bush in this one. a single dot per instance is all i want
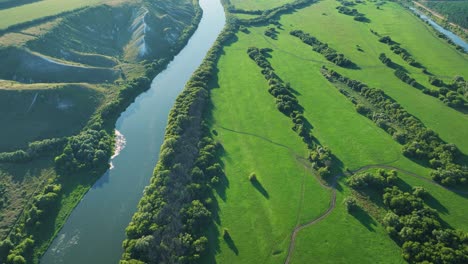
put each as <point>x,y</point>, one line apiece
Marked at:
<point>253,177</point>
<point>350,204</point>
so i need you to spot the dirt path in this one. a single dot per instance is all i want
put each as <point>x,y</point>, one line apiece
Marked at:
<point>333,199</point>
<point>332,187</point>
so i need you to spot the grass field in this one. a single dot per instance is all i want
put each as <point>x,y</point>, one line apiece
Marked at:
<point>258,4</point>
<point>346,238</point>
<point>259,219</point>
<point>241,102</point>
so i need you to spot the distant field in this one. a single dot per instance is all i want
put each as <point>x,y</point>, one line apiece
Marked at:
<point>258,4</point>
<point>241,102</point>
<point>24,13</point>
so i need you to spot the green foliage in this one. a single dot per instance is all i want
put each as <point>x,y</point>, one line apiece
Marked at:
<point>400,74</point>
<point>88,150</point>
<point>418,230</point>
<point>350,204</point>
<point>35,149</point>
<point>323,48</point>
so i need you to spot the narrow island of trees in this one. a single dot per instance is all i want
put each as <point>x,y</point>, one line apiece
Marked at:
<point>177,207</point>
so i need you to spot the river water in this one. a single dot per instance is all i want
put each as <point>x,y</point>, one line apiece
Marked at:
<point>96,228</point>
<point>456,39</point>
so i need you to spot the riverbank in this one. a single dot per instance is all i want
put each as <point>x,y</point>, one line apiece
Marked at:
<point>71,186</point>
<point>441,20</point>
<point>108,206</point>
<point>451,37</point>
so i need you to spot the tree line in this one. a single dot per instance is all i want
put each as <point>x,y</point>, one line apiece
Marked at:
<point>288,104</point>
<point>453,95</point>
<point>419,143</point>
<point>329,53</point>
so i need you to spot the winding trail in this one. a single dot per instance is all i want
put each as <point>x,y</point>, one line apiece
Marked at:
<point>332,187</point>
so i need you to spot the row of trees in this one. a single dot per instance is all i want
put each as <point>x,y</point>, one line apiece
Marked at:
<point>323,48</point>
<point>267,16</point>
<point>288,104</point>
<point>413,225</point>
<point>451,94</point>
<point>419,142</point>
<point>397,49</point>
<point>34,150</point>
<point>352,12</point>
<point>176,208</point>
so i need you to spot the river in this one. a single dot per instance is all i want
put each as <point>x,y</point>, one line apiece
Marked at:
<point>96,228</point>
<point>452,36</point>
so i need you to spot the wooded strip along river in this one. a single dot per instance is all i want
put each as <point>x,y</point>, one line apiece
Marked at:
<point>96,228</point>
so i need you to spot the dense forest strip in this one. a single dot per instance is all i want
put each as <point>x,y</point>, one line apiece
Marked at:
<point>419,143</point>
<point>177,199</point>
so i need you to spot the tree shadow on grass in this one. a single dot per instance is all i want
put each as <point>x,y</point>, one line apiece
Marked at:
<point>364,218</point>
<point>231,244</point>
<point>432,202</point>
<point>260,188</point>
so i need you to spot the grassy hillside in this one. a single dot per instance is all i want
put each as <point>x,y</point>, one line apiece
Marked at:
<point>64,83</point>
<point>46,113</point>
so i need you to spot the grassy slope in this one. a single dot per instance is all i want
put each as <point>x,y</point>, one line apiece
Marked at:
<point>25,13</point>
<point>259,224</point>
<point>45,118</point>
<point>354,139</point>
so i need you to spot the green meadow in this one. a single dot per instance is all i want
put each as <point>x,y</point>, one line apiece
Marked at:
<point>258,4</point>
<point>241,102</point>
